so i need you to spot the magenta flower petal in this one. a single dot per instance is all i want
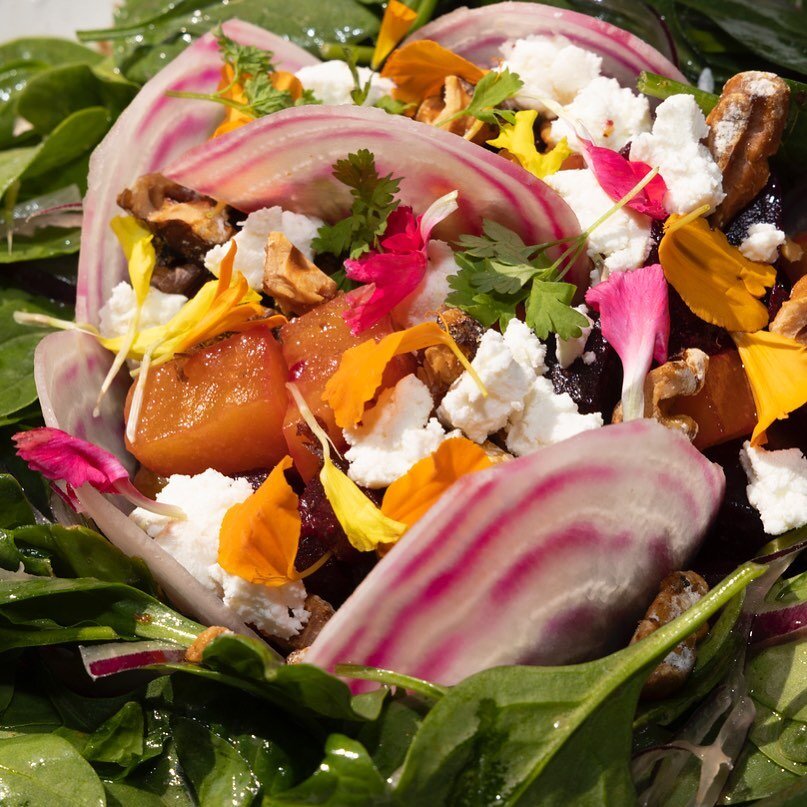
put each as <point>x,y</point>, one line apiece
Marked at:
<point>403,232</point>
<point>618,175</point>
<point>635,319</point>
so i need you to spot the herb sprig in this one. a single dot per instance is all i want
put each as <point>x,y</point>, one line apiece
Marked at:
<point>493,89</point>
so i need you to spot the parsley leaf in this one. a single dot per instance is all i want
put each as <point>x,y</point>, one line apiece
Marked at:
<point>488,307</point>
<point>496,241</point>
<point>245,60</point>
<point>491,91</point>
<point>373,201</point>
<point>549,310</point>
<point>263,98</point>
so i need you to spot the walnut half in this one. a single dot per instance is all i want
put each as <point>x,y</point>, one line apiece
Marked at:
<point>745,130</point>
<point>455,96</point>
<point>791,320</point>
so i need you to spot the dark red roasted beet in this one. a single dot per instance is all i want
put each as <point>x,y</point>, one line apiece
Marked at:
<point>688,330</point>
<point>765,208</point>
<point>779,294</point>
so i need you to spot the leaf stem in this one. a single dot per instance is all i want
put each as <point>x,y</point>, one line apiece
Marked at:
<point>427,690</point>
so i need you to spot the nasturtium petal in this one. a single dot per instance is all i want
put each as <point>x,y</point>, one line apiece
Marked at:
<point>395,25</point>
<point>135,241</point>
<point>518,139</point>
<point>408,498</point>
<point>716,281</point>
<point>259,537</point>
<point>420,69</point>
<point>777,372</point>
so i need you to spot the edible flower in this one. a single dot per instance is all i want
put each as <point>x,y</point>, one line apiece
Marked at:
<point>777,372</point>
<point>518,139</point>
<point>259,537</point>
<point>716,281</point>
<point>395,25</point>
<point>361,369</point>
<point>61,457</point>
<point>420,69</point>
<point>365,526</point>
<point>408,498</point>
<point>395,270</point>
<point>635,319</point>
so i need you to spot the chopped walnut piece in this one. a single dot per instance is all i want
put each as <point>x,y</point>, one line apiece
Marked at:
<point>745,130</point>
<point>495,453</point>
<point>454,97</point>
<point>321,611</point>
<point>185,278</point>
<point>296,284</point>
<point>195,652</point>
<point>791,321</point>
<point>297,656</point>
<point>184,221</point>
<point>678,592</point>
<point>679,377</point>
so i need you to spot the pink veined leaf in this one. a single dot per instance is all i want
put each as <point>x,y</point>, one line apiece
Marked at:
<point>618,175</point>
<point>635,319</point>
<point>61,457</point>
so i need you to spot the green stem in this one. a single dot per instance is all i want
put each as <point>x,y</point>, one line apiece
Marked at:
<point>216,99</point>
<point>363,54</point>
<point>427,690</point>
<point>660,87</point>
<point>425,13</point>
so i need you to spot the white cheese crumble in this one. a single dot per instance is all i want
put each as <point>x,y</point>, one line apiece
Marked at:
<point>429,297</point>
<point>622,241</point>
<point>332,82</point>
<point>251,241</point>
<point>507,366</point>
<point>550,67</point>
<point>611,114</point>
<point>762,242</point>
<point>546,418</point>
<point>116,314</point>
<point>686,165</point>
<point>777,486</point>
<point>706,80</point>
<point>194,542</point>
<point>568,350</point>
<point>395,434</point>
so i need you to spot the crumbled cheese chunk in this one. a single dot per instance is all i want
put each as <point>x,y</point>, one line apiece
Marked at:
<point>568,350</point>
<point>762,242</point>
<point>777,486</point>
<point>396,433</point>
<point>116,314</point>
<point>546,419</point>
<point>429,297</point>
<point>251,241</point>
<point>332,82</point>
<point>706,80</point>
<point>550,67</point>
<point>623,240</point>
<point>692,176</point>
<point>194,542</point>
<point>611,114</point>
<point>507,366</point>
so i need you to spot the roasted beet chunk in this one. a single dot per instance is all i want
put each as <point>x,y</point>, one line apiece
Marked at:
<point>179,278</point>
<point>766,208</point>
<point>687,330</point>
<point>185,222</point>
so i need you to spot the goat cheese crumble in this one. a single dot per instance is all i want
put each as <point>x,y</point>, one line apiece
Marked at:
<point>194,542</point>
<point>569,350</point>
<point>686,165</point>
<point>762,242</point>
<point>621,242</point>
<point>116,314</point>
<point>251,241</point>
<point>429,297</point>
<point>332,82</point>
<point>395,434</point>
<point>777,486</point>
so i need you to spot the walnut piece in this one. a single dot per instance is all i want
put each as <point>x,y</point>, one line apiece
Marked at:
<point>678,592</point>
<point>297,656</point>
<point>745,130</point>
<point>296,284</point>
<point>685,376</point>
<point>195,652</point>
<point>454,97</point>
<point>791,320</point>
<point>321,611</point>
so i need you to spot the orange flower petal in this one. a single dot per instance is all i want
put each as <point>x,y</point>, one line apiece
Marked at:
<point>259,538</point>
<point>361,369</point>
<point>407,499</point>
<point>777,372</point>
<point>395,25</point>
<point>420,69</point>
<point>716,281</point>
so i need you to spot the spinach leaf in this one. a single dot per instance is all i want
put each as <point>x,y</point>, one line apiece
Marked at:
<point>47,51</point>
<point>45,769</point>
<point>48,242</point>
<point>777,678</point>
<point>756,777</point>
<point>781,739</point>
<point>517,734</point>
<point>119,740</point>
<point>14,508</point>
<point>387,739</point>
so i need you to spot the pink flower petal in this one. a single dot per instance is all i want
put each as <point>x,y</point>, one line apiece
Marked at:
<point>403,232</point>
<point>635,319</point>
<point>617,176</point>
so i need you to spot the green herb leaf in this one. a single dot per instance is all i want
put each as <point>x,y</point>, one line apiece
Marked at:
<point>245,60</point>
<point>496,241</point>
<point>263,98</point>
<point>492,90</point>
<point>487,307</point>
<point>549,310</point>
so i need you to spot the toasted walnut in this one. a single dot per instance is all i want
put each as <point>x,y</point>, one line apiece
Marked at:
<point>746,128</point>
<point>321,611</point>
<point>454,97</point>
<point>183,278</point>
<point>297,656</point>
<point>791,321</point>
<point>195,652</point>
<point>794,258</point>
<point>441,368</point>
<point>680,377</point>
<point>296,284</point>
<point>678,592</point>
<point>495,453</point>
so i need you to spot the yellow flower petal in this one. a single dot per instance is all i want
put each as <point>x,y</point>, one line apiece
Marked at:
<point>518,139</point>
<point>395,25</point>
<point>777,372</point>
<point>135,240</point>
<point>409,498</point>
<point>716,281</point>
